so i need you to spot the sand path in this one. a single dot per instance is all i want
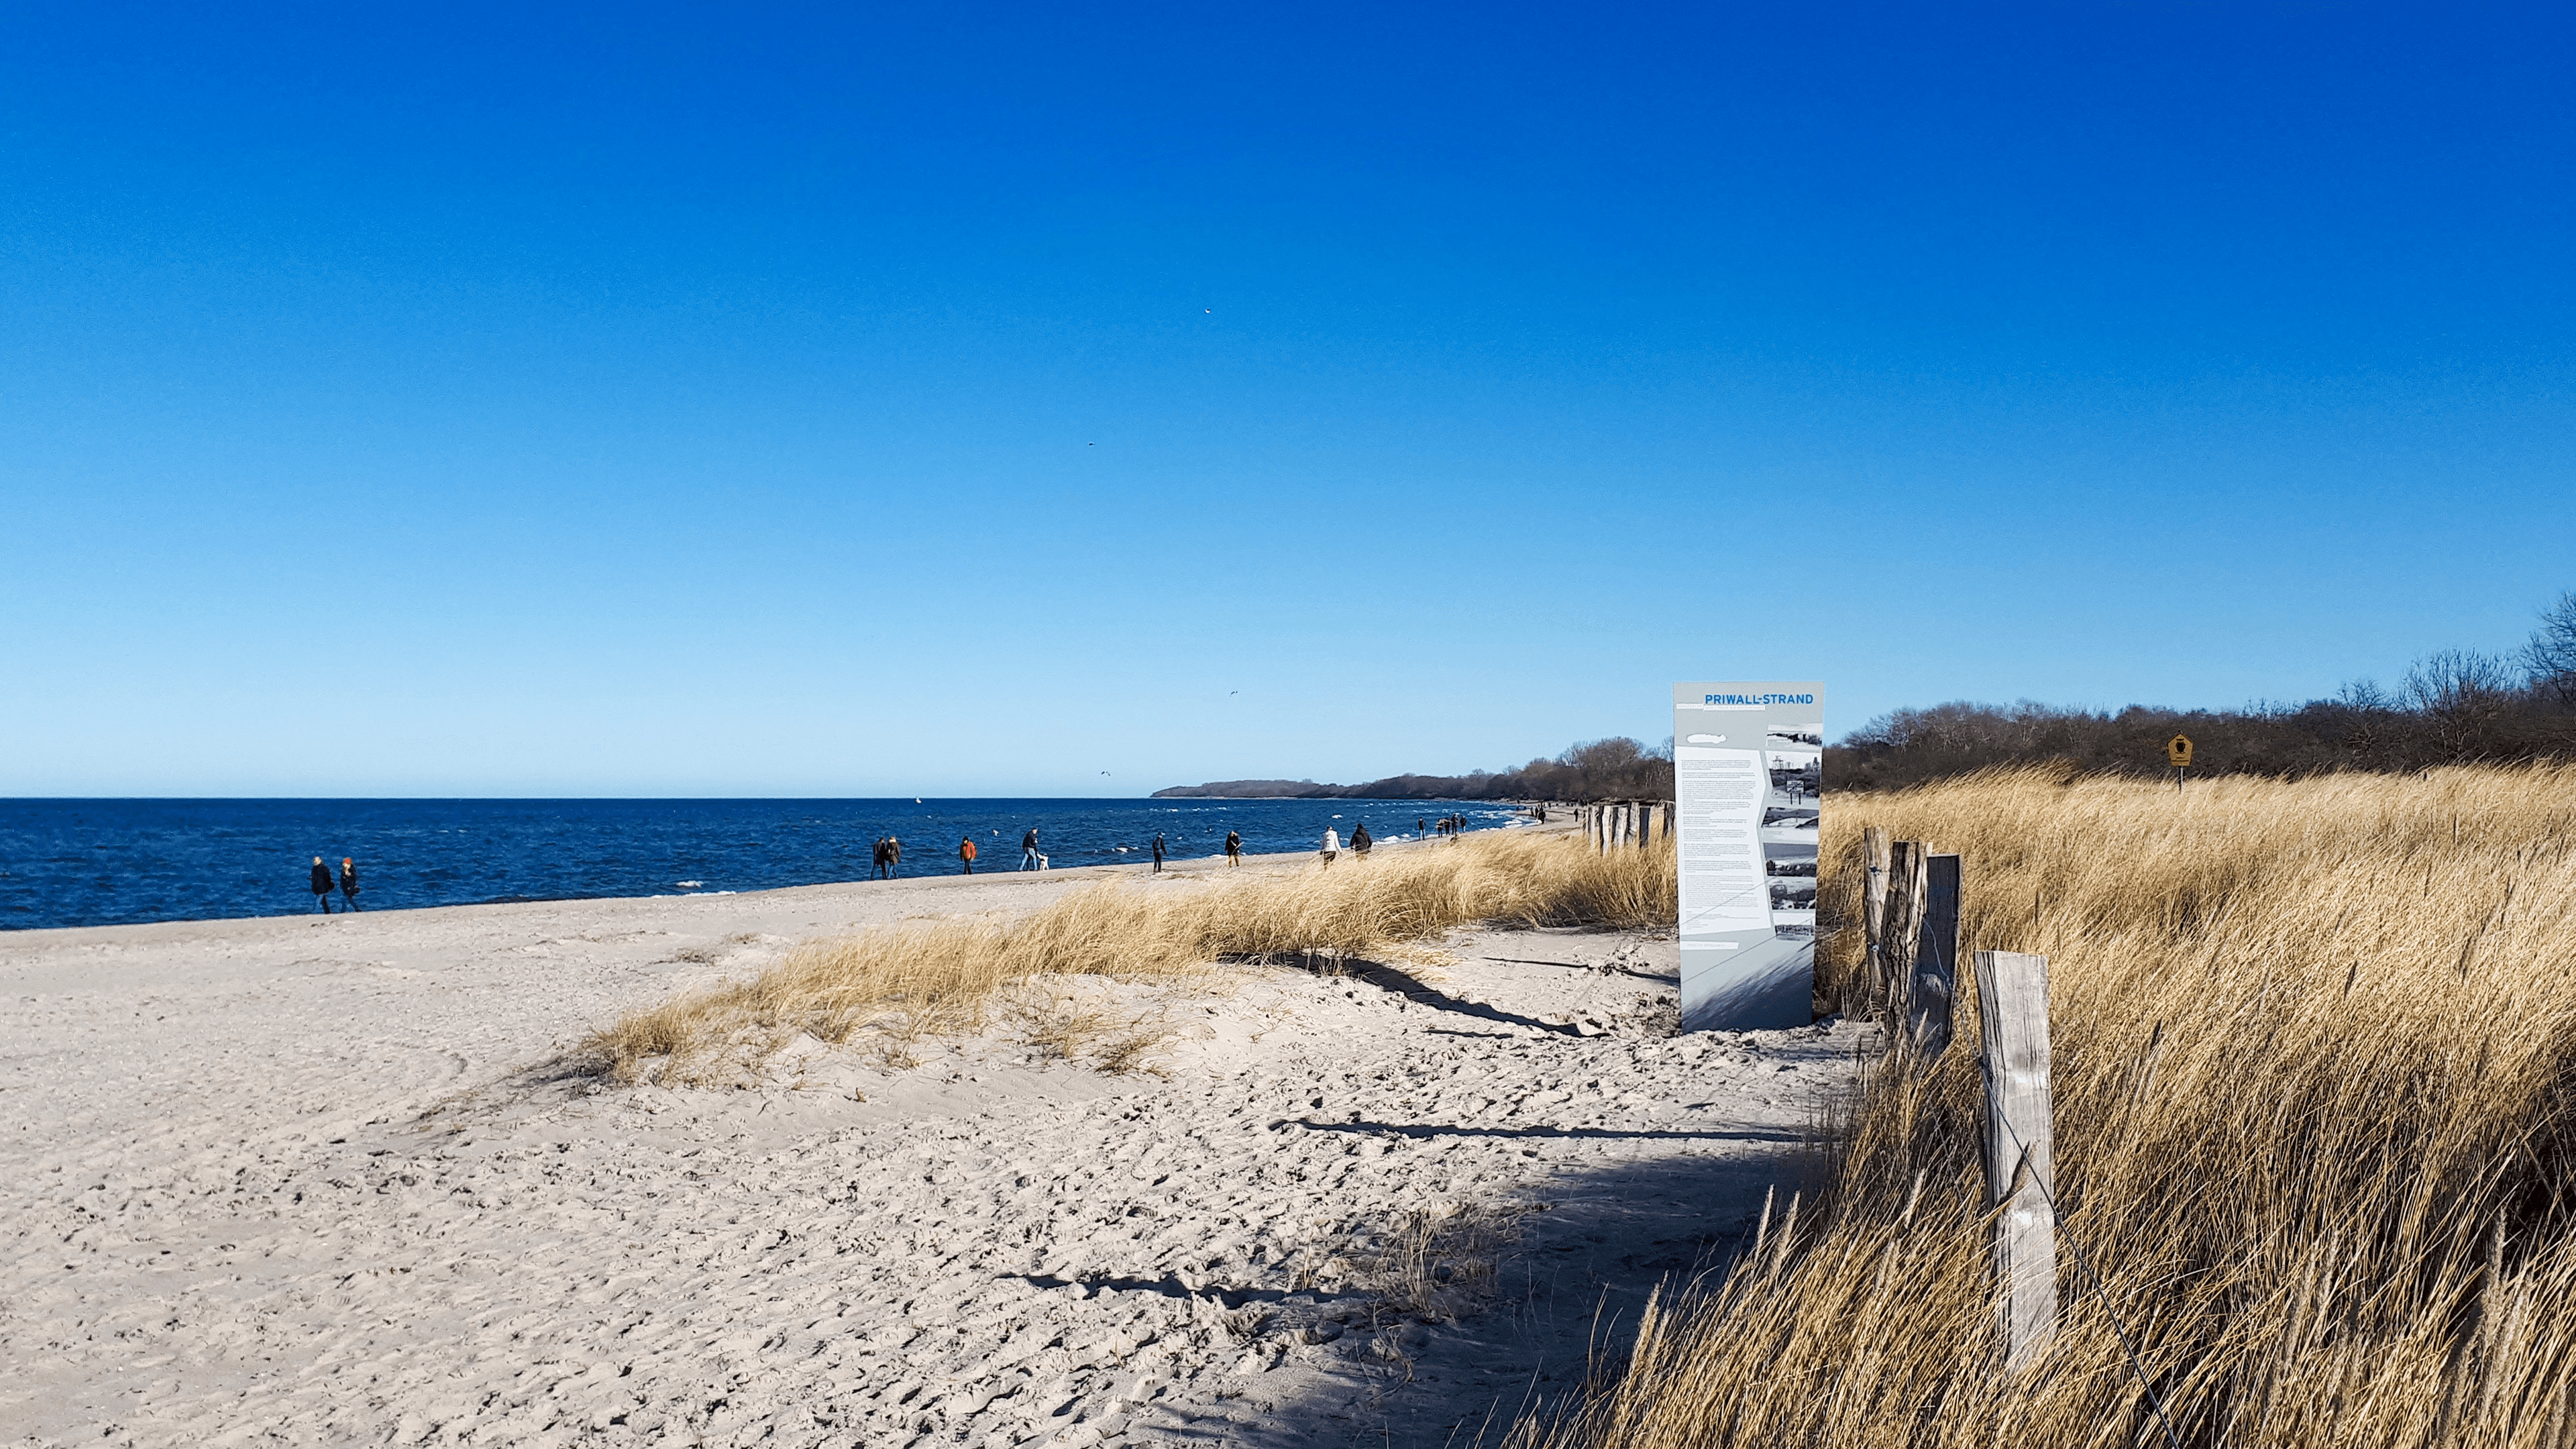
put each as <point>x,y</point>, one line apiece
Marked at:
<point>312,1181</point>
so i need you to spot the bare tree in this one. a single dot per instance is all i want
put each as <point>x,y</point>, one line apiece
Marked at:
<point>2550,658</point>
<point>2460,693</point>
<point>2457,681</point>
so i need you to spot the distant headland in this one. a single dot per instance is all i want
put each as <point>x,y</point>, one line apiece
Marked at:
<point>1612,769</point>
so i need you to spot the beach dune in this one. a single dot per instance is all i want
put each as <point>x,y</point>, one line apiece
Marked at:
<point>334,1180</point>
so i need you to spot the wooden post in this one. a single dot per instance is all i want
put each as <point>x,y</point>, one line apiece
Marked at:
<point>1668,820</point>
<point>1936,959</point>
<point>1618,826</point>
<point>1902,930</point>
<point>1873,910</point>
<point>2021,1171</point>
<point>1627,825</point>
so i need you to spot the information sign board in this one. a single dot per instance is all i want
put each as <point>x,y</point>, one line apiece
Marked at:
<point>1748,787</point>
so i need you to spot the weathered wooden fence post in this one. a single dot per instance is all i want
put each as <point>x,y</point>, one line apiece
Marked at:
<point>1669,823</point>
<point>1936,959</point>
<point>2021,1171</point>
<point>1873,910</point>
<point>1903,931</point>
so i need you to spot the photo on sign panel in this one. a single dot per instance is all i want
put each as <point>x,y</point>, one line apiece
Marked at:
<point>1791,817</point>
<point>1796,776</point>
<point>1789,860</point>
<point>1791,894</point>
<point>1790,737</point>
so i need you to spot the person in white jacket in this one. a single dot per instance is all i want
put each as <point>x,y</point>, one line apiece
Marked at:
<point>1332,845</point>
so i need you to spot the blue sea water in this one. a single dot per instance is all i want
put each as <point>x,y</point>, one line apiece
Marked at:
<point>107,862</point>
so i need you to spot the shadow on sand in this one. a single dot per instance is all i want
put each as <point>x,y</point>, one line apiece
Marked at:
<point>1565,1309</point>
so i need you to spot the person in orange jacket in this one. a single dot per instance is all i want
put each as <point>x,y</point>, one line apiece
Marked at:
<point>966,853</point>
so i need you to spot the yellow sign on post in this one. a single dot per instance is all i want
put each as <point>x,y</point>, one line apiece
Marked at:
<point>2178,750</point>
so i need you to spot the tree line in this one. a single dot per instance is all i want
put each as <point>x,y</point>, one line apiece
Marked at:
<point>2455,706</point>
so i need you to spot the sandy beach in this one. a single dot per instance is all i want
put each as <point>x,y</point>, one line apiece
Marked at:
<point>328,1180</point>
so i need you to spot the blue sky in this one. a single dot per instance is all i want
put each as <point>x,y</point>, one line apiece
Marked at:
<point>747,400</point>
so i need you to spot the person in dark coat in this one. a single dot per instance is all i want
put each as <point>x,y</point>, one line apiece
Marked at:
<point>877,860</point>
<point>1361,840</point>
<point>1234,847</point>
<point>894,857</point>
<point>1158,852</point>
<point>349,882</point>
<point>322,885</point>
<point>1029,849</point>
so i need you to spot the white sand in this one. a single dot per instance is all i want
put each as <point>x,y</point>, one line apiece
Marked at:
<point>311,1181</point>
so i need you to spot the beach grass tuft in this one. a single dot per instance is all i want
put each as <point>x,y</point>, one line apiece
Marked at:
<point>952,976</point>
<point>2315,1062</point>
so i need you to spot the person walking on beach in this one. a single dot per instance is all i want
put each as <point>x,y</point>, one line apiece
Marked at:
<point>1029,849</point>
<point>1157,848</point>
<point>1233,848</point>
<point>877,861</point>
<point>348,883</point>
<point>322,885</point>
<point>894,857</point>
<point>1332,845</point>
<point>966,853</point>
<point>1361,840</point>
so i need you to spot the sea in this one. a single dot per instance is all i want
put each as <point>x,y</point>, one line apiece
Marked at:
<point>113,862</point>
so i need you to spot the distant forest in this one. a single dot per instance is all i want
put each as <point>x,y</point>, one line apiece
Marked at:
<point>2457,706</point>
<point>1613,769</point>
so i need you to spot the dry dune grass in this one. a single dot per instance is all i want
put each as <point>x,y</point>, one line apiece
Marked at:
<point>2313,1049</point>
<point>947,976</point>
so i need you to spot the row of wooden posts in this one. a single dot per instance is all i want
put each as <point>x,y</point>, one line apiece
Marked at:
<point>1620,823</point>
<point>1909,978</point>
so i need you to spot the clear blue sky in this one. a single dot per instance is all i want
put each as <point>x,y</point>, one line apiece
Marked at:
<point>743,400</point>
